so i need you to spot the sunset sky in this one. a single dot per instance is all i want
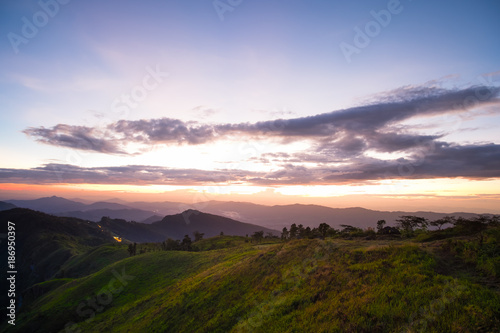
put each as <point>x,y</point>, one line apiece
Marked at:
<point>380,104</point>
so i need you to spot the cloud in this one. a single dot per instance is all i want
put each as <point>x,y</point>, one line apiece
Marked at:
<point>343,145</point>
<point>439,161</point>
<point>348,132</point>
<point>76,137</point>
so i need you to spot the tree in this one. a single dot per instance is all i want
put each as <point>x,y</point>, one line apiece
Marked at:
<point>132,249</point>
<point>293,231</point>
<point>284,234</point>
<point>198,235</point>
<point>258,235</point>
<point>442,221</point>
<point>323,229</point>
<point>186,243</point>
<point>408,224</point>
<point>348,228</point>
<point>307,232</point>
<point>300,231</point>
<point>476,225</point>
<point>172,245</point>
<point>380,225</point>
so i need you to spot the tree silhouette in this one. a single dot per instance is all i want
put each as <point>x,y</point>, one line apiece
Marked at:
<point>293,231</point>
<point>186,243</point>
<point>380,225</point>
<point>132,249</point>
<point>198,235</point>
<point>284,234</point>
<point>408,224</point>
<point>323,229</point>
<point>258,236</point>
<point>442,221</point>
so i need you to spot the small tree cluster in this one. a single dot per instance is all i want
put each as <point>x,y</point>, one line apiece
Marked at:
<point>299,232</point>
<point>176,245</point>
<point>408,224</point>
<point>132,249</point>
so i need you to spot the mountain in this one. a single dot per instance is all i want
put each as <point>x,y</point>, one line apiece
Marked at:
<point>44,243</point>
<point>307,285</point>
<point>279,216</point>
<point>92,212</point>
<point>105,205</point>
<point>49,204</point>
<point>95,215</point>
<point>151,219</point>
<point>176,226</point>
<point>160,208</point>
<point>6,206</point>
<point>132,231</point>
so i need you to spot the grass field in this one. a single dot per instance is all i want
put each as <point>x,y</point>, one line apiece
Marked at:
<point>309,285</point>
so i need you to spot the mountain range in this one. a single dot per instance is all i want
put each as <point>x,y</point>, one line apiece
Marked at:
<point>272,217</point>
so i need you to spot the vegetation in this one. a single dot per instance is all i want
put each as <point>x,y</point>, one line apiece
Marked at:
<point>309,280</point>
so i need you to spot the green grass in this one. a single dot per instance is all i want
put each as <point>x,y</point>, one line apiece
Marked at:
<point>94,260</point>
<point>230,285</point>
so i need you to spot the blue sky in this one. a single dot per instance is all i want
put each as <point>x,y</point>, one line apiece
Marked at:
<point>265,60</point>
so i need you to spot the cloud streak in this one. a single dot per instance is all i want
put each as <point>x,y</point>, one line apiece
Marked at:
<point>343,145</point>
<point>347,132</point>
<point>444,161</point>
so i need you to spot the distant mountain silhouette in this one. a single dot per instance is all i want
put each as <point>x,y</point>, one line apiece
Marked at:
<point>95,215</point>
<point>279,216</point>
<point>151,219</point>
<point>49,204</point>
<point>45,242</point>
<point>6,205</point>
<point>92,212</point>
<point>272,217</point>
<point>211,225</point>
<point>176,226</point>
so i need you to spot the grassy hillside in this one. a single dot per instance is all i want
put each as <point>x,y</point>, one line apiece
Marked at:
<point>44,243</point>
<point>176,226</point>
<point>307,285</point>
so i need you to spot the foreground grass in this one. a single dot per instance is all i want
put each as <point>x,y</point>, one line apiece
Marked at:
<point>299,286</point>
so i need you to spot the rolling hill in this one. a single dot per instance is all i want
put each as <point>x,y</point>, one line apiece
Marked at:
<point>49,204</point>
<point>297,286</point>
<point>279,216</point>
<point>95,215</point>
<point>45,242</point>
<point>272,217</point>
<point>176,226</point>
<point>6,206</point>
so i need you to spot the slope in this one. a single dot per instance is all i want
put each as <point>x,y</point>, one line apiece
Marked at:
<point>44,243</point>
<point>279,216</point>
<point>176,226</point>
<point>299,286</point>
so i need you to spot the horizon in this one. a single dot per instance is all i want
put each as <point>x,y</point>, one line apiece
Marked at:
<point>199,205</point>
<point>334,104</point>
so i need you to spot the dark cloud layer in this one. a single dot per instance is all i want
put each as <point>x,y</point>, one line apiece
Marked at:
<point>339,145</point>
<point>472,162</point>
<point>349,131</point>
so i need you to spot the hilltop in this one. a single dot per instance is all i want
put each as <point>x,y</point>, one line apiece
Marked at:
<point>272,217</point>
<point>301,285</point>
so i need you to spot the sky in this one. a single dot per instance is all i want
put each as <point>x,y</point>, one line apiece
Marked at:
<point>381,104</point>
